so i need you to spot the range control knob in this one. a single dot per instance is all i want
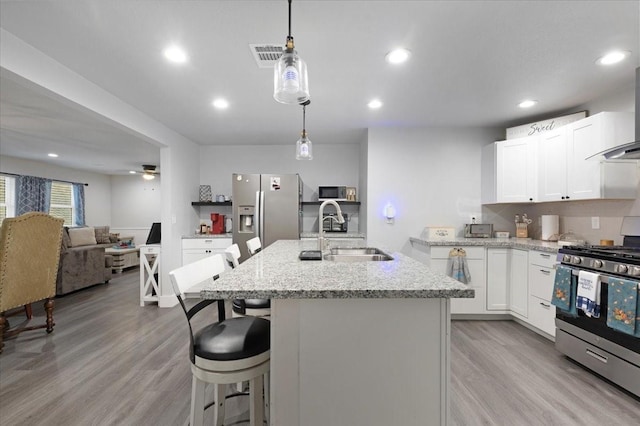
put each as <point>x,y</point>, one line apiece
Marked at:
<point>635,271</point>
<point>576,260</point>
<point>597,263</point>
<point>622,268</point>
<point>566,258</point>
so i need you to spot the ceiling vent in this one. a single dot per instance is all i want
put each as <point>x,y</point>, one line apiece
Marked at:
<point>266,55</point>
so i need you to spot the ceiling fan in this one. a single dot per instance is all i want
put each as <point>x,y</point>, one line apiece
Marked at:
<point>148,172</point>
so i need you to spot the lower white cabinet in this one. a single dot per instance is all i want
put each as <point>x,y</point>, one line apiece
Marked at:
<point>476,263</point>
<point>541,276</point>
<point>498,279</point>
<point>519,282</point>
<point>198,248</point>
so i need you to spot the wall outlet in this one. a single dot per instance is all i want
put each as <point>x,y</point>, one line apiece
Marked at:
<point>595,222</point>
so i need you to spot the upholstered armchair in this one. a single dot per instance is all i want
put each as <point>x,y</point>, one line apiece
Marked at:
<point>29,258</point>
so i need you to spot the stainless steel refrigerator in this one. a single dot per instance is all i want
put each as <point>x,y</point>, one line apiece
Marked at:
<point>268,206</point>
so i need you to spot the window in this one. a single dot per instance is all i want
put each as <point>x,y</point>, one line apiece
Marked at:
<point>7,197</point>
<point>62,202</point>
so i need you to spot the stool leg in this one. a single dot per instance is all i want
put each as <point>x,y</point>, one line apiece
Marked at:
<point>197,402</point>
<point>256,401</point>
<point>219,395</point>
<point>267,402</point>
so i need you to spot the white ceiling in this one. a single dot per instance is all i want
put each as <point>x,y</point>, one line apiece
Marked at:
<point>472,62</point>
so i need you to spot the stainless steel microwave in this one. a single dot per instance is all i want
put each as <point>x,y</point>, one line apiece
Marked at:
<point>332,193</point>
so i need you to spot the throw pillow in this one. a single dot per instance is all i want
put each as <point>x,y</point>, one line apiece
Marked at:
<point>102,234</point>
<point>82,236</point>
<point>113,238</point>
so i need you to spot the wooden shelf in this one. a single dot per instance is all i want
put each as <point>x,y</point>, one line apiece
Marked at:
<point>211,203</point>
<point>317,203</point>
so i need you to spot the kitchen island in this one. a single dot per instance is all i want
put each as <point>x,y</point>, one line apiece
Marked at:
<point>362,343</point>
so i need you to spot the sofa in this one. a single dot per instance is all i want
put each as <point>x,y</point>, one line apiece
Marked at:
<point>83,262</point>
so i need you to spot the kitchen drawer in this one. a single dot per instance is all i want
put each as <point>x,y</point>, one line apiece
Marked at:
<point>541,281</point>
<point>542,315</point>
<point>206,243</point>
<point>442,252</point>
<point>542,258</point>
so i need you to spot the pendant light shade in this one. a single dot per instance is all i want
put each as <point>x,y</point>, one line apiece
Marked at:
<point>304,149</point>
<point>290,81</point>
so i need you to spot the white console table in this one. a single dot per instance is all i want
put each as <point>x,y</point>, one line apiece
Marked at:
<point>149,267</point>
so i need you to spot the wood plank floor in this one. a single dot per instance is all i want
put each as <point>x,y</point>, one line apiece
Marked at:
<point>111,362</point>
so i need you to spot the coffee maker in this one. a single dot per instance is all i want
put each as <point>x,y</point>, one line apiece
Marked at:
<point>217,223</point>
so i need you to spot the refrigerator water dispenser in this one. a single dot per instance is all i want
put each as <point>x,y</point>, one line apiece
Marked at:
<point>246,219</point>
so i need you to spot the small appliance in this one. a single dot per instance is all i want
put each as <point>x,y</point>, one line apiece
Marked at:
<point>217,223</point>
<point>330,223</point>
<point>478,230</point>
<point>338,193</point>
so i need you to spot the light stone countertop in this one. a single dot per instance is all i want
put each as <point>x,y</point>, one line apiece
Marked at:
<point>206,236</point>
<point>334,235</point>
<point>518,243</point>
<point>277,273</point>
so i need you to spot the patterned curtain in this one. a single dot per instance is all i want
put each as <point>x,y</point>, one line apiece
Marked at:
<point>33,194</point>
<point>78,196</point>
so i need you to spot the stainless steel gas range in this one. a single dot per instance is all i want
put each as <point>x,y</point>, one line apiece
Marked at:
<point>588,340</point>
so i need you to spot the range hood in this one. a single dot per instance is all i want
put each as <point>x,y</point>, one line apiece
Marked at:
<point>631,150</point>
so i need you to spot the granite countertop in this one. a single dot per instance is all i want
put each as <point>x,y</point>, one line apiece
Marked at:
<point>207,236</point>
<point>277,273</point>
<point>518,243</point>
<point>334,235</point>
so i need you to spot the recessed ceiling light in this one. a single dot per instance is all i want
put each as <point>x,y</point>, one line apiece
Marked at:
<point>374,104</point>
<point>51,154</point>
<point>175,54</point>
<point>613,57</point>
<point>132,172</point>
<point>527,104</point>
<point>398,56</point>
<point>220,103</point>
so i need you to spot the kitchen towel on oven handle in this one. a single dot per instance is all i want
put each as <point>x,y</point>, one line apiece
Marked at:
<point>623,309</point>
<point>564,290</point>
<point>588,294</point>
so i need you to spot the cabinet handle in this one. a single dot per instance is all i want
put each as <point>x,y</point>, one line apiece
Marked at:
<point>545,255</point>
<point>599,357</point>
<point>544,271</point>
<point>545,305</point>
<point>562,197</point>
<point>567,197</point>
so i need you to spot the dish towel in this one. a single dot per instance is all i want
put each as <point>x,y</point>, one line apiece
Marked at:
<point>564,290</point>
<point>588,294</point>
<point>457,267</point>
<point>622,306</point>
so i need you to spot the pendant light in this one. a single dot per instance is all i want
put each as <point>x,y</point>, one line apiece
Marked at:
<point>303,146</point>
<point>290,83</point>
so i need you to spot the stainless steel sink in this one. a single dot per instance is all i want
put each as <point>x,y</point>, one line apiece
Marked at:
<point>364,254</point>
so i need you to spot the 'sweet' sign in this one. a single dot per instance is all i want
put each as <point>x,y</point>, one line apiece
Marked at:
<point>538,127</point>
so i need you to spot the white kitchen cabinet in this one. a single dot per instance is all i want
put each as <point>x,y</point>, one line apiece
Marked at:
<point>518,282</point>
<point>564,173</point>
<point>194,249</point>
<point>541,276</point>
<point>516,172</point>
<point>552,165</point>
<point>476,262</point>
<point>498,279</point>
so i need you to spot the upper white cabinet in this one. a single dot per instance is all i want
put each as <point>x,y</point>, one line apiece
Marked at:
<point>592,179</point>
<point>516,172</point>
<point>553,166</point>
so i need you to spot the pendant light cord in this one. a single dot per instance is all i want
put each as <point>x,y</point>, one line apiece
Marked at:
<point>304,118</point>
<point>289,18</point>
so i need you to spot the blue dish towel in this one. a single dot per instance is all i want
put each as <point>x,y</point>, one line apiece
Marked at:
<point>564,290</point>
<point>457,267</point>
<point>622,306</point>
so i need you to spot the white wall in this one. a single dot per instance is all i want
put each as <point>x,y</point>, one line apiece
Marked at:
<point>431,177</point>
<point>135,205</point>
<point>97,194</point>
<point>332,164</point>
